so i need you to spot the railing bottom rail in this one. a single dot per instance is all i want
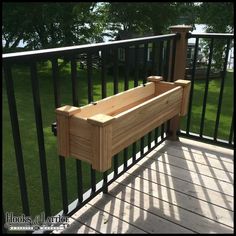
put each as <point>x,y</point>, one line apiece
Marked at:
<point>206,139</point>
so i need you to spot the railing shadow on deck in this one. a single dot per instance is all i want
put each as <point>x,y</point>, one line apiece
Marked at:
<point>157,190</point>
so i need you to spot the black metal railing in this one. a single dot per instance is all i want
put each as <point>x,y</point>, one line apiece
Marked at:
<point>142,57</point>
<point>137,65</point>
<point>208,124</point>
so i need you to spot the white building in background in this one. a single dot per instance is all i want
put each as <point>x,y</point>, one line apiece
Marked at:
<point>231,59</point>
<point>201,28</point>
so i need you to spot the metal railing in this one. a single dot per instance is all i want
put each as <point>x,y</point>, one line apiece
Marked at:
<point>160,63</point>
<point>134,64</point>
<point>212,136</point>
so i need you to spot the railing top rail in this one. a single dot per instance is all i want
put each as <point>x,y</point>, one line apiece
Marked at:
<point>45,53</point>
<point>210,35</point>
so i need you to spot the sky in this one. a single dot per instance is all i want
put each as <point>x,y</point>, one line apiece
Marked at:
<point>200,28</point>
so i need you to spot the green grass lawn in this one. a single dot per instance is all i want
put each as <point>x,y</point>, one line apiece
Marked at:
<point>211,107</point>
<point>23,93</point>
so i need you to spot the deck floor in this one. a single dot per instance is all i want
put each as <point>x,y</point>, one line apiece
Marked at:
<point>180,187</point>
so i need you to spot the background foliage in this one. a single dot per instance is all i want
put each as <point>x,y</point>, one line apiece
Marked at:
<point>48,25</point>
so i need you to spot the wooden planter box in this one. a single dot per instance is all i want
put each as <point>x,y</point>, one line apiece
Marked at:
<point>95,132</point>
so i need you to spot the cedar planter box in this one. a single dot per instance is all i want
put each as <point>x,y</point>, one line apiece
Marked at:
<point>96,132</point>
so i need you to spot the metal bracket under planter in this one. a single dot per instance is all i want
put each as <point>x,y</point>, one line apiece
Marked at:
<point>94,133</point>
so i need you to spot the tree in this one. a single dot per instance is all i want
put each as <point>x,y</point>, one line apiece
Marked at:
<point>188,13</point>
<point>47,25</point>
<point>219,18</point>
<point>143,18</point>
<point>12,31</point>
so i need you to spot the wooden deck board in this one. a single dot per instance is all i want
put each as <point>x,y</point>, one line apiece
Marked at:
<point>185,201</point>
<point>195,167</point>
<point>76,227</point>
<point>198,158</point>
<point>186,187</point>
<point>189,176</point>
<point>204,149</point>
<point>168,211</point>
<point>136,216</point>
<point>180,187</point>
<point>102,221</point>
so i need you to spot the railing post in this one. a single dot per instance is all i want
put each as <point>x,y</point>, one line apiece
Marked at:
<point>179,69</point>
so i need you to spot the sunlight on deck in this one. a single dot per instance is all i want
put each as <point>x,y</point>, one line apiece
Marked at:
<point>180,187</point>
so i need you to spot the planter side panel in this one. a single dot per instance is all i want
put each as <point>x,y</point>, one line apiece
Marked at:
<point>81,139</point>
<point>102,145</point>
<point>131,126</point>
<point>63,135</point>
<point>91,143</point>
